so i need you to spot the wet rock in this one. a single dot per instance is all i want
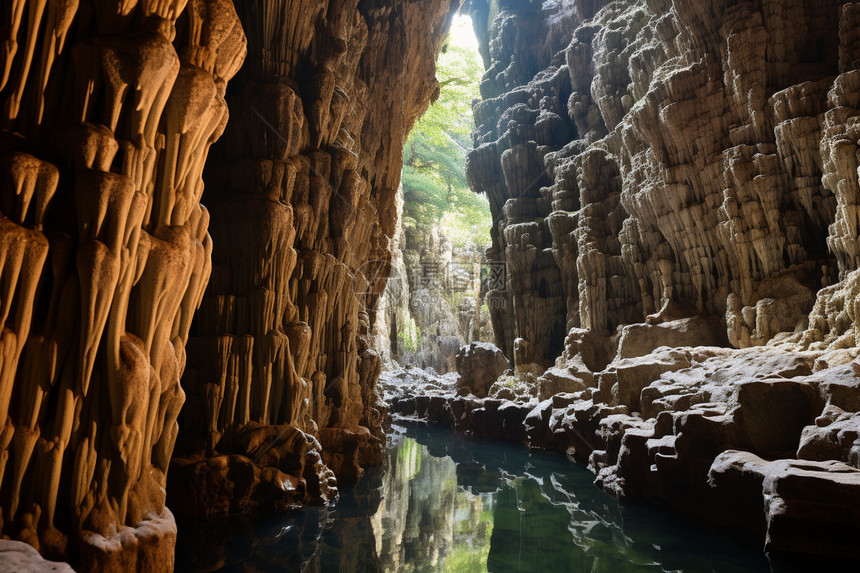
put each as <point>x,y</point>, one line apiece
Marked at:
<point>270,469</point>
<point>344,450</point>
<point>773,413</point>
<point>809,506</point>
<point>835,436</point>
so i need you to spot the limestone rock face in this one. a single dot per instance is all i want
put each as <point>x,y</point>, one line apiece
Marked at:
<point>479,364</point>
<point>640,156</point>
<point>835,436</point>
<point>810,507</point>
<point>263,468</point>
<point>22,558</point>
<point>417,321</point>
<point>109,110</point>
<point>303,213</point>
<point>674,187</point>
<point>109,115</point>
<point>641,339</point>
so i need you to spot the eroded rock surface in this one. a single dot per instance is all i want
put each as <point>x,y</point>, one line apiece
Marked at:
<point>479,365</point>
<point>749,439</point>
<point>22,558</point>
<point>674,188</point>
<point>418,322</point>
<point>666,179</point>
<point>109,115</point>
<point>304,215</point>
<point>645,157</point>
<point>109,110</point>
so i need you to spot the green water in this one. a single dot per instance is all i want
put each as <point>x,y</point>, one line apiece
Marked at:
<point>445,503</point>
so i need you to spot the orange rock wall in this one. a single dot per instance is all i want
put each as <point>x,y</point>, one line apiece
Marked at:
<point>109,111</point>
<point>302,197</point>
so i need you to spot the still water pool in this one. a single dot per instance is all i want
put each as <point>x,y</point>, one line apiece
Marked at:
<point>443,502</point>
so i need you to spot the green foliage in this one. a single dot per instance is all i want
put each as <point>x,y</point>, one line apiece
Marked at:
<point>435,190</point>
<point>408,459</point>
<point>410,336</point>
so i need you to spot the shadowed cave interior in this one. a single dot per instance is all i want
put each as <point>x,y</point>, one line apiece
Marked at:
<point>238,247</point>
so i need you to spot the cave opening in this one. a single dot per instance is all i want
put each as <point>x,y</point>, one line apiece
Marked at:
<point>434,300</point>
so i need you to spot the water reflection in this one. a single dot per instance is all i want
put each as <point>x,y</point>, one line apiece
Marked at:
<point>445,503</point>
<point>425,521</point>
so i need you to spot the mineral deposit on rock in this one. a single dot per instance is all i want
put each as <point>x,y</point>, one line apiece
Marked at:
<point>129,310</point>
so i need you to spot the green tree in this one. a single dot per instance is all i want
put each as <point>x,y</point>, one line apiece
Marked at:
<point>435,190</point>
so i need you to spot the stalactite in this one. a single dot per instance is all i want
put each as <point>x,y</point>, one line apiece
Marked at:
<point>692,168</point>
<point>105,256</point>
<point>298,191</point>
<point>671,158</point>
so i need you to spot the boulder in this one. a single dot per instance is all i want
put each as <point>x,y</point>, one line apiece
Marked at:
<point>833,437</point>
<point>809,507</point>
<point>773,414</point>
<point>631,375</point>
<point>562,380</point>
<point>812,508</point>
<point>641,339</point>
<point>479,364</point>
<point>344,449</point>
<point>256,469</point>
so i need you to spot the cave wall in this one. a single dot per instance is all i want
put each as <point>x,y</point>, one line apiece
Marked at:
<point>109,111</point>
<point>303,200</point>
<point>665,159</point>
<point>432,302</point>
<point>674,188</point>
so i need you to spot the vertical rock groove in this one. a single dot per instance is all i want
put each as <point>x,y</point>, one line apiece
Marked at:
<point>674,185</point>
<point>281,374</point>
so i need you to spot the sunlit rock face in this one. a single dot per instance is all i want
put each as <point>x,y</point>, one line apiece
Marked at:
<point>419,322</point>
<point>109,111</point>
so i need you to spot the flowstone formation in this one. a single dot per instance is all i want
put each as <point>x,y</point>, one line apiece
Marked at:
<point>674,189</point>
<point>641,155</point>
<point>108,113</point>
<point>281,372</point>
<point>109,110</point>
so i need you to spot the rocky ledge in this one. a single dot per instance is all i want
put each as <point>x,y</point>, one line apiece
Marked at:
<point>761,440</point>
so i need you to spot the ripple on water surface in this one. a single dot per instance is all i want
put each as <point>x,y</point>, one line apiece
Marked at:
<point>443,502</point>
